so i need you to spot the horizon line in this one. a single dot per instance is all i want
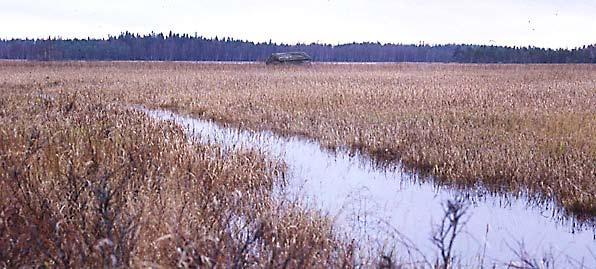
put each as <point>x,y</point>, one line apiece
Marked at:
<point>281,43</point>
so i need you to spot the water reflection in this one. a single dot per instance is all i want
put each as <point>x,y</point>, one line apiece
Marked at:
<point>391,208</point>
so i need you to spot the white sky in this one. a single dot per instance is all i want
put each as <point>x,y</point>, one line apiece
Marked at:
<point>548,23</point>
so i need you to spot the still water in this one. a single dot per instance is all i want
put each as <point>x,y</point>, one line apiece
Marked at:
<point>387,207</point>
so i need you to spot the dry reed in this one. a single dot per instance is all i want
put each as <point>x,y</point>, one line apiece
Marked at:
<point>86,183</point>
<point>513,128</point>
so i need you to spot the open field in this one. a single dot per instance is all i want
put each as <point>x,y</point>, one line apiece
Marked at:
<point>510,127</point>
<point>68,137</point>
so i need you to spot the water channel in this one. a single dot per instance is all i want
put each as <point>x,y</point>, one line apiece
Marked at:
<point>385,206</point>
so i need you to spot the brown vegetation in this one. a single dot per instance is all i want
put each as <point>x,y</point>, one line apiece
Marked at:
<point>514,128</point>
<point>86,181</point>
<point>89,183</point>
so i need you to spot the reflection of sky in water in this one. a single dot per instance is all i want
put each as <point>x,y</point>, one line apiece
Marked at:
<point>389,206</point>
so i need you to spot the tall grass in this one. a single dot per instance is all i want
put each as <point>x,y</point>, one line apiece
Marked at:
<point>87,183</point>
<point>513,128</point>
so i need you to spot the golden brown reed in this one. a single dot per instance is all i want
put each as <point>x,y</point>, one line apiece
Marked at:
<point>514,128</point>
<point>87,183</point>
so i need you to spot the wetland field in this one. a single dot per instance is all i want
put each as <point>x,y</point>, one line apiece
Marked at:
<point>181,164</point>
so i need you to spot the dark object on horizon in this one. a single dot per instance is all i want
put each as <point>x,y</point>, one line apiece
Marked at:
<point>289,58</point>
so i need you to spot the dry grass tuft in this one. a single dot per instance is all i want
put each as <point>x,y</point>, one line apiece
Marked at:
<point>88,183</point>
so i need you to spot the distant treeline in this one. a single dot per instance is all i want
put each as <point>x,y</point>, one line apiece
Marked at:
<point>176,47</point>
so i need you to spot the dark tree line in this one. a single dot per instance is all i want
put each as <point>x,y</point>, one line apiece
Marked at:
<point>176,47</point>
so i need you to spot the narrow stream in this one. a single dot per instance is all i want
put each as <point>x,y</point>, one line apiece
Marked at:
<point>388,207</point>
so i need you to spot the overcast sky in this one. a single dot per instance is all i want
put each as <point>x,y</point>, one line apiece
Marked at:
<point>548,23</point>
